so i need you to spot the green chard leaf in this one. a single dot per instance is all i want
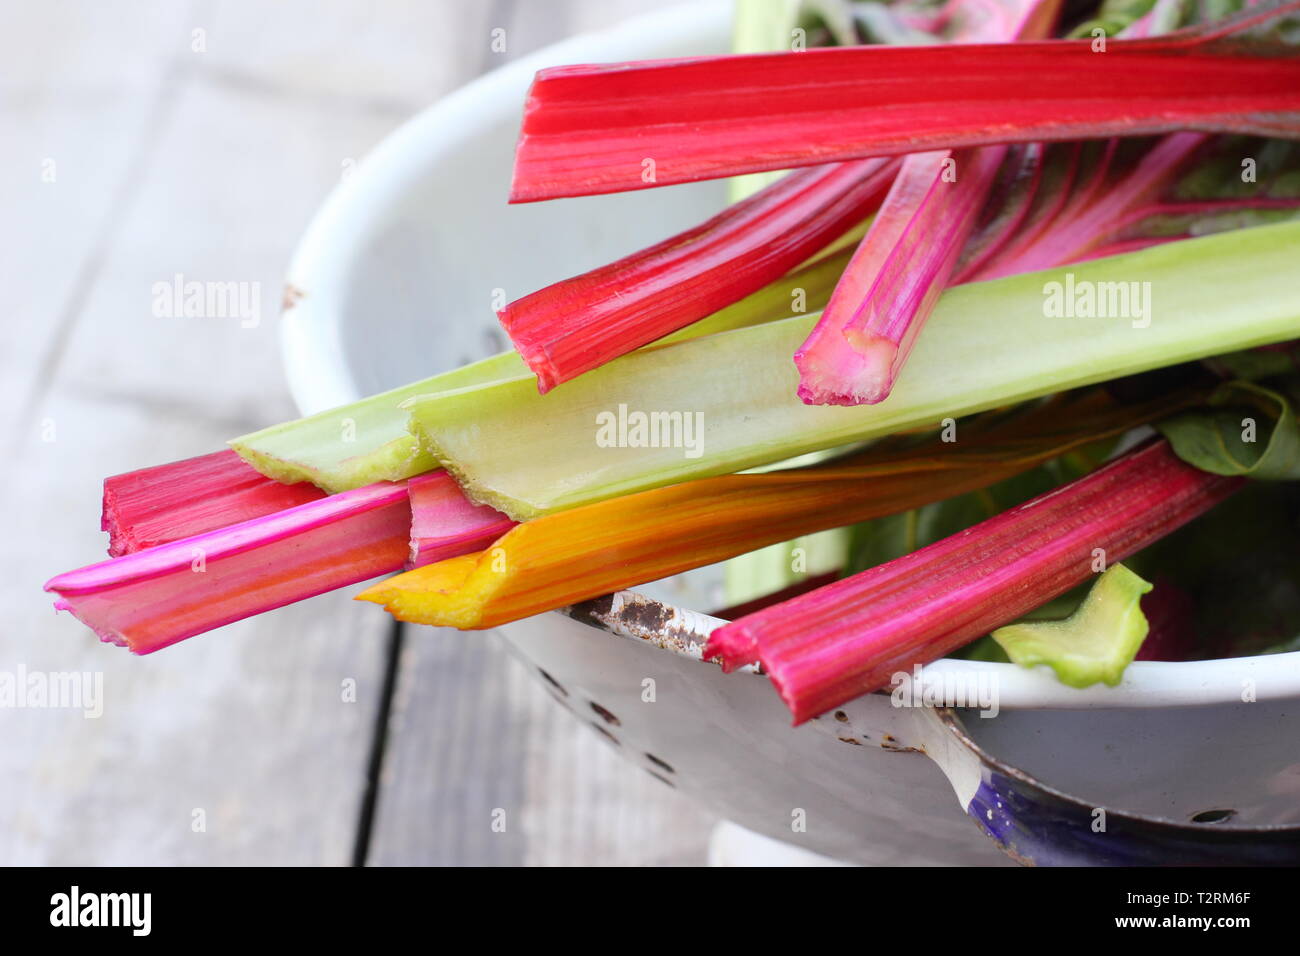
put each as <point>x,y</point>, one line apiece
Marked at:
<point>1246,430</point>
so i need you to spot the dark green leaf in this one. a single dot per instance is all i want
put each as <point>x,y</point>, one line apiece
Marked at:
<point>1246,430</point>
<point>1240,566</point>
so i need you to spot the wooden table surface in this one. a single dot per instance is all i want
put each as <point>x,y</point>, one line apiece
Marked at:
<point>145,138</point>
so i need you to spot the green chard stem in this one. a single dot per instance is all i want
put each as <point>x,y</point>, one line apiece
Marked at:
<point>367,441</point>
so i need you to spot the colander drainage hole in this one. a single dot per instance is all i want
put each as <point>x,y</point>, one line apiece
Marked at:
<point>553,682</point>
<point>1213,816</point>
<point>661,764</point>
<point>605,715</point>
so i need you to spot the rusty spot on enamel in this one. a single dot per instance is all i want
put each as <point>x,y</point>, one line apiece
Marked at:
<point>890,742</point>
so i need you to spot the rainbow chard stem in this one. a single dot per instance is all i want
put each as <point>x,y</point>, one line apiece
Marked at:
<point>156,597</point>
<point>1097,214</point>
<point>367,441</point>
<point>180,499</point>
<point>576,325</point>
<point>867,331</point>
<point>1072,202</point>
<point>445,524</point>
<point>612,128</point>
<point>232,566</point>
<point>848,638</point>
<point>908,255</point>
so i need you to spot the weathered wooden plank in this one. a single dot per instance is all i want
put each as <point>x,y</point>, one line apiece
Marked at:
<point>454,757</point>
<point>79,96</point>
<point>265,727</point>
<point>389,57</point>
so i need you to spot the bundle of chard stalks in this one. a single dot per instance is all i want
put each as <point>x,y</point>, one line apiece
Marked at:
<point>1030,286</point>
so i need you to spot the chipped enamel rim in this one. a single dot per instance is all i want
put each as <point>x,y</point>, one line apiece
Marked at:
<point>319,376</point>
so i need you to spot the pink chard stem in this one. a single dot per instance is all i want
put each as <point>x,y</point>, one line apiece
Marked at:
<point>850,637</point>
<point>156,597</point>
<point>907,257</point>
<point>1075,235</point>
<point>446,524</point>
<point>590,129</point>
<point>156,505</point>
<point>854,353</point>
<point>203,543</point>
